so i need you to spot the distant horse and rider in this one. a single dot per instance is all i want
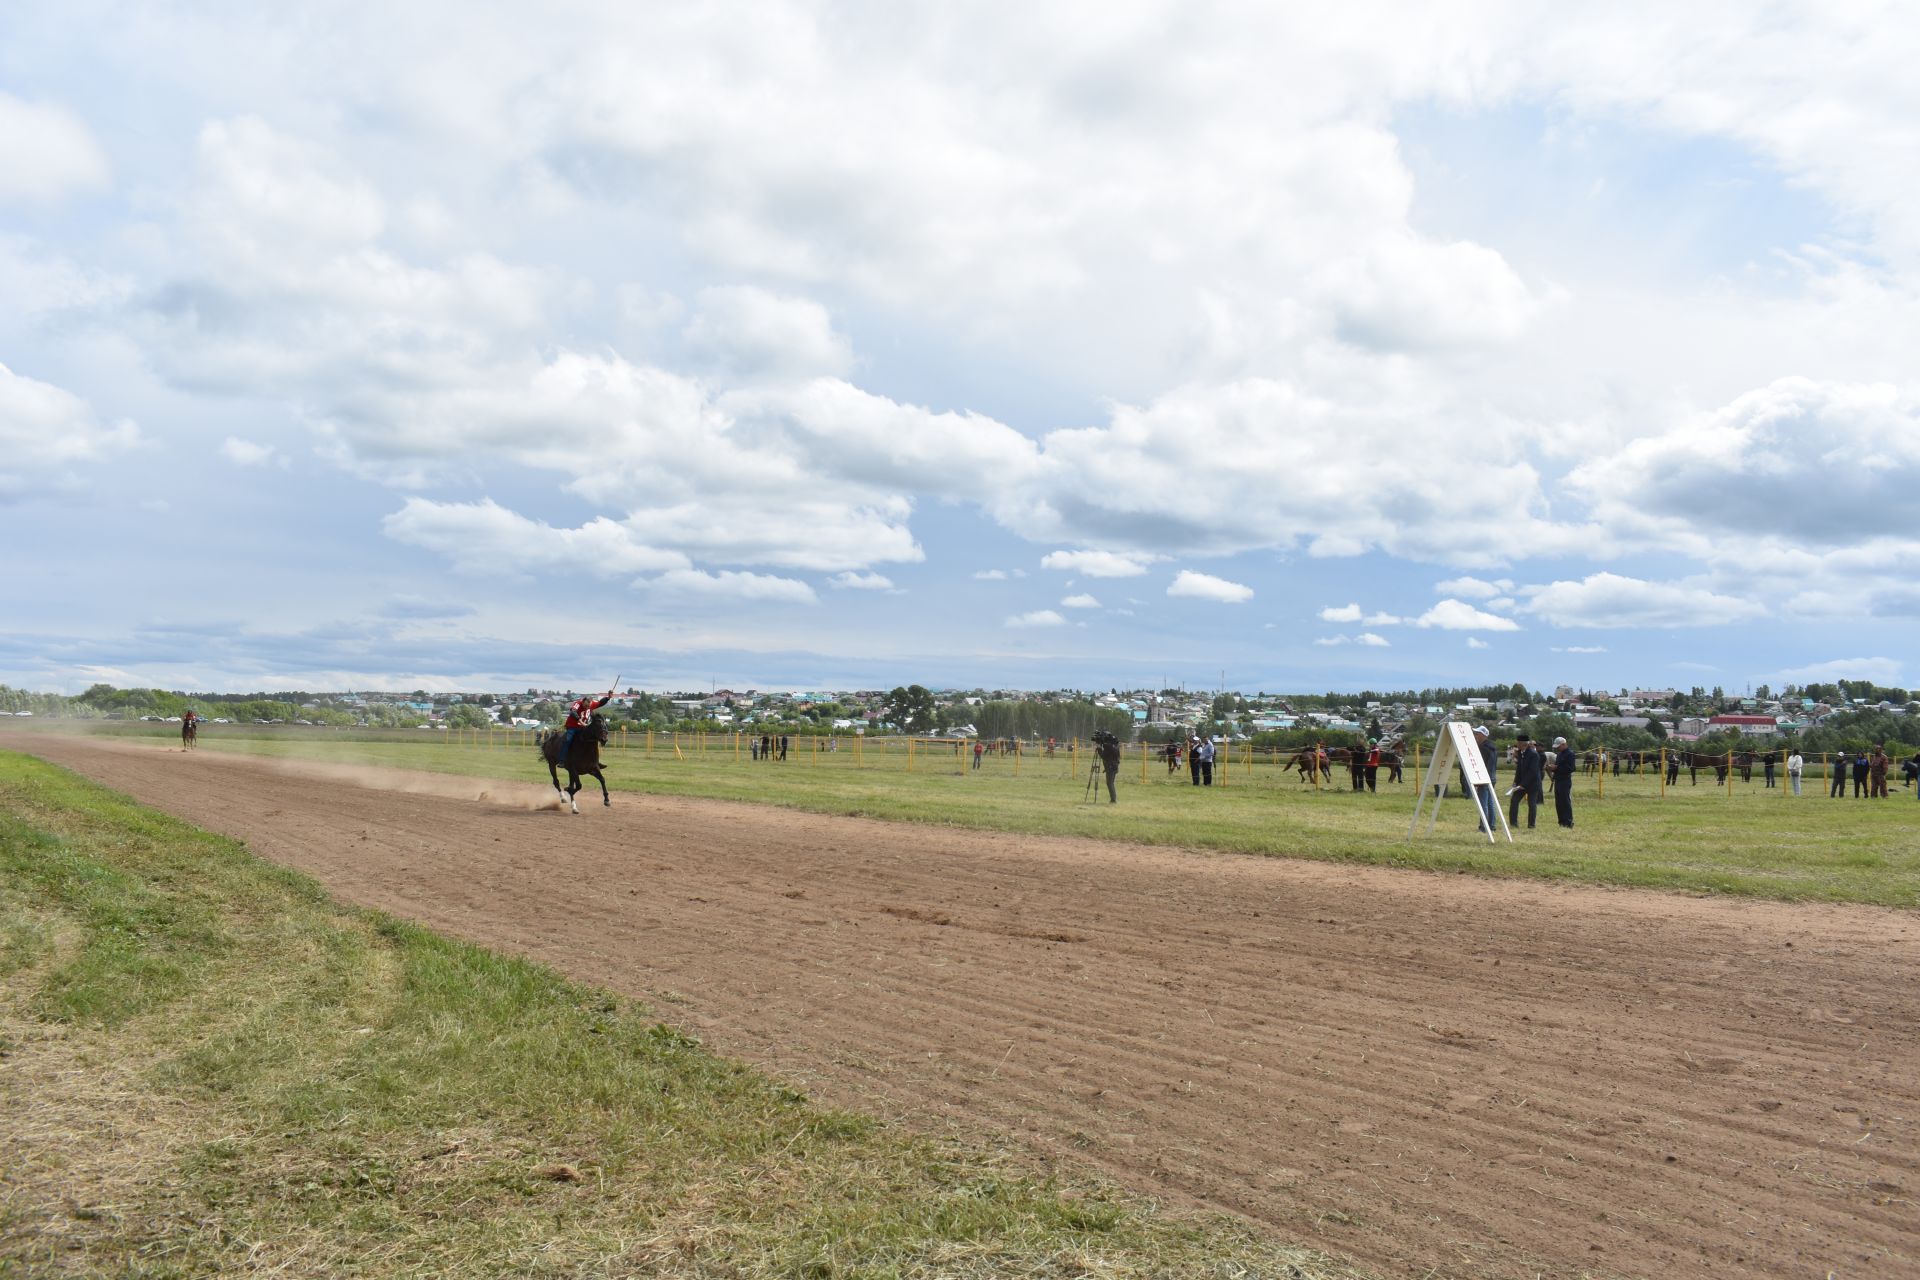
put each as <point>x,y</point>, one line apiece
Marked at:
<point>189,731</point>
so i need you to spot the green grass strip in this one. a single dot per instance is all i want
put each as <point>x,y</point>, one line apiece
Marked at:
<point>214,1070</point>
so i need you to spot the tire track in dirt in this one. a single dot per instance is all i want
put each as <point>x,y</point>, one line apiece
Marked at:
<point>1492,1078</point>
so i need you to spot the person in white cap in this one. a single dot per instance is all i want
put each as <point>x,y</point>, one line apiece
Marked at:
<point>1563,767</point>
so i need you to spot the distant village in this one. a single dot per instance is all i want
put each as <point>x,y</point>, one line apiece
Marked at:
<point>1624,716</point>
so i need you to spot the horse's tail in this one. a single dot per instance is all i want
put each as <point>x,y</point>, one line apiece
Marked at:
<point>543,745</point>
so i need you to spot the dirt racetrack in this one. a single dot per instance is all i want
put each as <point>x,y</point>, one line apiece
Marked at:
<point>1434,1075</point>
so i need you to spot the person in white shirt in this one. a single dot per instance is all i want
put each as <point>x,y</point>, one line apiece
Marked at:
<point>1795,766</point>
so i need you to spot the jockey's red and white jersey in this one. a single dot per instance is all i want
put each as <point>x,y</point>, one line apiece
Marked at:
<point>581,708</point>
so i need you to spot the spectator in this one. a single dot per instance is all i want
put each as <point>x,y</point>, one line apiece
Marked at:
<point>1563,767</point>
<point>1877,772</point>
<point>1373,764</point>
<point>1527,765</point>
<point>1795,767</point>
<point>1108,753</point>
<point>1203,757</point>
<point>979,749</point>
<point>1836,775</point>
<point>1193,757</point>
<point>1860,768</point>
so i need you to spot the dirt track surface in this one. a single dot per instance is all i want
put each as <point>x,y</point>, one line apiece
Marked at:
<point>1416,1071</point>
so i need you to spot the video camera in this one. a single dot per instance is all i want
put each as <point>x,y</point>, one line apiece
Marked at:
<point>1104,739</point>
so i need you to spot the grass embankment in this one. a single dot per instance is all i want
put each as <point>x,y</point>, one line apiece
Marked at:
<point>212,1069</point>
<point>1756,841</point>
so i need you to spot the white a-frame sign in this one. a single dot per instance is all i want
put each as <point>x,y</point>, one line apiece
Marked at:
<point>1456,746</point>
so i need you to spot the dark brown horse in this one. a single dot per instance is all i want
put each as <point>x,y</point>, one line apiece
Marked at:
<point>189,734</point>
<point>582,759</point>
<point>1694,761</point>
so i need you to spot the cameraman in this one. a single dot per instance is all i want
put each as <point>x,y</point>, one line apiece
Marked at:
<point>1106,749</point>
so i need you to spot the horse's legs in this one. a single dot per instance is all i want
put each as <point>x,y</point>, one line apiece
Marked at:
<point>553,771</point>
<point>573,790</point>
<point>605,798</point>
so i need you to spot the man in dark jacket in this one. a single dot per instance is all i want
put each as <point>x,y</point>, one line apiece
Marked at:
<point>1107,751</point>
<point>1563,768</point>
<point>1526,782</point>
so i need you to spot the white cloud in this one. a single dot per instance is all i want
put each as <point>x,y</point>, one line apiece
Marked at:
<point>1204,586</point>
<point>1264,464</point>
<point>1038,618</point>
<point>1097,564</point>
<point>1372,641</point>
<point>1382,620</point>
<point>731,585</point>
<point>484,537</point>
<point>850,581</point>
<point>1341,613</point>
<point>1604,600</point>
<point>1082,601</point>
<point>751,332</point>
<point>991,575</point>
<point>1473,588</point>
<point>43,426</point>
<point>247,453</point>
<point>1331,641</point>
<point>1580,648</point>
<point>1475,642</point>
<point>46,153</point>
<point>1457,615</point>
<point>1407,293</point>
<point>1813,464</point>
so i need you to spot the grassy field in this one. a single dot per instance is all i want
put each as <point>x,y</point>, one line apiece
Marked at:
<point>1747,839</point>
<point>211,1069</point>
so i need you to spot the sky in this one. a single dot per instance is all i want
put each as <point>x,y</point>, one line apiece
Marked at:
<point>1018,345</point>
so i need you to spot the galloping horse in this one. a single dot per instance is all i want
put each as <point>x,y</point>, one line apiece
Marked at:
<point>189,734</point>
<point>1305,762</point>
<point>582,759</point>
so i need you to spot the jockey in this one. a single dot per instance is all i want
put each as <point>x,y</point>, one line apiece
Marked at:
<point>189,716</point>
<point>577,713</point>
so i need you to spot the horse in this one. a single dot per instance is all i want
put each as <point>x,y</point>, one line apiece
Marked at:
<point>582,759</point>
<point>1693,761</point>
<point>1308,762</point>
<point>189,734</point>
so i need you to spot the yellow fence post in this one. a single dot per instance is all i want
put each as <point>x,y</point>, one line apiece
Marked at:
<point>909,755</point>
